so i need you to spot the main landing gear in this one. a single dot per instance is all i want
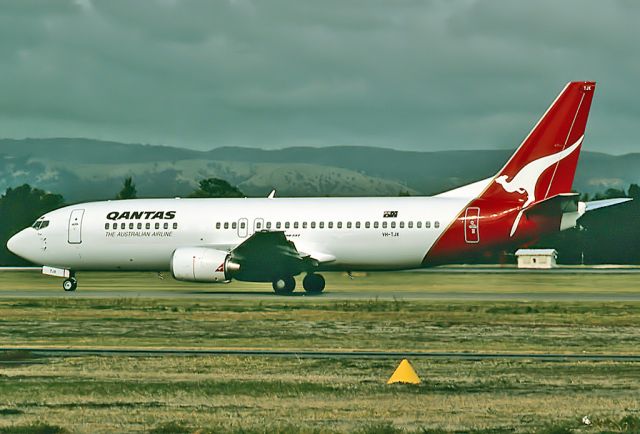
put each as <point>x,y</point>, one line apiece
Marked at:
<point>313,284</point>
<point>284,286</point>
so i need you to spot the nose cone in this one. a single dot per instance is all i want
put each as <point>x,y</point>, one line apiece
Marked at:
<point>19,244</point>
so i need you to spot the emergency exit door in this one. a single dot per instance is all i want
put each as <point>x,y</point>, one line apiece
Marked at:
<point>243,228</point>
<point>75,226</point>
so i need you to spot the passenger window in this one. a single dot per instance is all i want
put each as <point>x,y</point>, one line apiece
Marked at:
<point>234,225</point>
<point>123,226</point>
<point>139,225</point>
<point>175,225</point>
<point>243,225</point>
<point>130,225</point>
<point>107,225</point>
<point>313,225</point>
<point>218,225</point>
<point>321,225</point>
<point>226,225</point>
<point>286,225</point>
<point>157,225</point>
<point>410,224</point>
<point>348,225</point>
<point>427,225</point>
<point>268,225</point>
<point>295,225</point>
<point>384,225</point>
<point>393,225</point>
<point>367,225</point>
<point>418,225</point>
<point>278,225</point>
<point>357,225</point>
<point>339,225</point>
<point>166,225</point>
<point>115,226</point>
<point>436,224</point>
<point>148,225</point>
<point>401,225</point>
<point>376,225</point>
<point>304,225</point>
<point>330,225</point>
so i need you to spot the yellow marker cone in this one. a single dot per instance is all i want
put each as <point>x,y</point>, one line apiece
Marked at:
<point>404,374</point>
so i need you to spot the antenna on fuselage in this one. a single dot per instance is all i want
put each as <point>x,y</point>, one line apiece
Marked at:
<point>272,194</point>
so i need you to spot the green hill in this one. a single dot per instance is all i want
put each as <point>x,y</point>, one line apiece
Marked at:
<point>83,169</point>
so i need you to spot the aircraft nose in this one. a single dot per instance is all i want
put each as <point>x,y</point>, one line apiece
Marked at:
<point>17,244</point>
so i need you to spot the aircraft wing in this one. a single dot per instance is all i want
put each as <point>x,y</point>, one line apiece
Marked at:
<point>267,253</point>
<point>273,243</point>
<point>265,243</point>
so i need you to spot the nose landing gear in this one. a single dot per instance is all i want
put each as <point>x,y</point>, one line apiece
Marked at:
<point>70,284</point>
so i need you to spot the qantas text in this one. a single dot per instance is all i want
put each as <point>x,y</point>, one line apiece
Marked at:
<point>138,215</point>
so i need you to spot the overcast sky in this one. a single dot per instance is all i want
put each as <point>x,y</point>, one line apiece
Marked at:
<point>419,75</point>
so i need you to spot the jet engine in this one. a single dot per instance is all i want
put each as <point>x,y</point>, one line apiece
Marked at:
<point>202,264</point>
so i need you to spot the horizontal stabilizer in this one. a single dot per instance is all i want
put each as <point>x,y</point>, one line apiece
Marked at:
<point>597,204</point>
<point>556,205</point>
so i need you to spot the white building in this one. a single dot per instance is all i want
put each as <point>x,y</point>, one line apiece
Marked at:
<point>536,258</point>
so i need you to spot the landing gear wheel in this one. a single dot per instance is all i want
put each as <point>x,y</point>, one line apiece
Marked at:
<point>70,284</point>
<point>313,283</point>
<point>284,286</point>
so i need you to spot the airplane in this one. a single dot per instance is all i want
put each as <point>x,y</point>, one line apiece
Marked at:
<point>275,239</point>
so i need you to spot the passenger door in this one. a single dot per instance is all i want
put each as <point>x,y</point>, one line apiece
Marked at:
<point>75,226</point>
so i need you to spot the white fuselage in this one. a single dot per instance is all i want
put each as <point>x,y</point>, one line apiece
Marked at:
<point>353,232</point>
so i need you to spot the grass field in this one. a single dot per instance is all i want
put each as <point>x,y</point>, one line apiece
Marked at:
<point>250,394</point>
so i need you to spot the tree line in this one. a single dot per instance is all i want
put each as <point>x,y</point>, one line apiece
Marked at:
<point>609,235</point>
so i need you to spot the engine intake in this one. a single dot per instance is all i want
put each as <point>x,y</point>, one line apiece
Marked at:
<point>202,264</point>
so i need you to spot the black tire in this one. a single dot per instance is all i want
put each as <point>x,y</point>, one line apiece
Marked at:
<point>284,286</point>
<point>70,284</point>
<point>313,283</point>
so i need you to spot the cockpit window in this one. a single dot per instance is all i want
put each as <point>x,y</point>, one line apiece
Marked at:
<point>40,224</point>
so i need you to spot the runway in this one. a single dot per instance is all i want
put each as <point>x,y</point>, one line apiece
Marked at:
<point>455,283</point>
<point>143,352</point>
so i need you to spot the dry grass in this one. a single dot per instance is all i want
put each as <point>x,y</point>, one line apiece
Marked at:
<point>244,394</point>
<point>119,394</point>
<point>316,324</point>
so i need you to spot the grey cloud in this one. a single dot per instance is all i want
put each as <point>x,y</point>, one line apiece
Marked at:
<point>404,74</point>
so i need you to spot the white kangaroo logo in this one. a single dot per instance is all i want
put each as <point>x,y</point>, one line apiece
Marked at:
<point>526,179</point>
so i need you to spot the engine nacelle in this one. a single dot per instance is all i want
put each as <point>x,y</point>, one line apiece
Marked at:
<point>202,264</point>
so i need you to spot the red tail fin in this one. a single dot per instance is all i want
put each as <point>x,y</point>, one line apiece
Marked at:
<point>543,166</point>
<point>545,163</point>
